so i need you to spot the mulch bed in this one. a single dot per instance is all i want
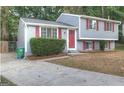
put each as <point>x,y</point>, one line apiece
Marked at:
<point>33,57</point>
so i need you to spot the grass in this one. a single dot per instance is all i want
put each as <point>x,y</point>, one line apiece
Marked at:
<point>6,82</point>
<point>104,62</point>
<point>119,47</point>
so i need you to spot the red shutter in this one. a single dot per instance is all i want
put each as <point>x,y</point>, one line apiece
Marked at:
<point>87,23</point>
<point>93,45</point>
<point>37,34</point>
<point>97,26</point>
<point>59,33</point>
<point>113,28</point>
<point>84,45</point>
<point>105,26</point>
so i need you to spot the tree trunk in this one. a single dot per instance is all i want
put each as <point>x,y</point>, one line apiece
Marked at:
<point>102,9</point>
<point>4,22</point>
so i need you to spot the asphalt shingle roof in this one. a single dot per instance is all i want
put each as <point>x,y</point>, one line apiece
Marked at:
<point>28,20</point>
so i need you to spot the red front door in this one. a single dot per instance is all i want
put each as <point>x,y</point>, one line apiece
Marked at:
<point>71,38</point>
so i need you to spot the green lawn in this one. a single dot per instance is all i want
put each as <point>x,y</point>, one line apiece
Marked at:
<point>119,47</point>
<point>5,82</point>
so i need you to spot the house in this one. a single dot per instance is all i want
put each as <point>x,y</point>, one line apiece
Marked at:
<point>123,29</point>
<point>81,32</point>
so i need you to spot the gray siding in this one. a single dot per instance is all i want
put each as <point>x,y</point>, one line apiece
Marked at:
<point>123,29</point>
<point>20,35</point>
<point>96,47</point>
<point>30,34</point>
<point>72,20</point>
<point>98,34</point>
<point>80,45</point>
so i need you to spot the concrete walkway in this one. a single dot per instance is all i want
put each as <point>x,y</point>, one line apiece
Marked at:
<point>36,73</point>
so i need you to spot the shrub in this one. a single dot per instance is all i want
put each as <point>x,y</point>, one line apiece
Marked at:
<point>102,45</point>
<point>42,47</point>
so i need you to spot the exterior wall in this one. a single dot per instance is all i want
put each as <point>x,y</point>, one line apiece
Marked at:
<point>20,35</point>
<point>112,45</point>
<point>64,36</point>
<point>80,45</point>
<point>90,33</point>
<point>30,34</point>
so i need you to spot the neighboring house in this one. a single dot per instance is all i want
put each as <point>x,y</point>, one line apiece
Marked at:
<point>81,32</point>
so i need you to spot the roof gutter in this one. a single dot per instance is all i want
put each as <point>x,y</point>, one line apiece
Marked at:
<point>41,24</point>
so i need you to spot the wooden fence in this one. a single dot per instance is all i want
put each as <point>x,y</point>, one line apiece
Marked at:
<point>4,47</point>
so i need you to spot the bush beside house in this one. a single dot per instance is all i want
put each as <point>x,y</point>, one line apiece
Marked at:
<point>102,45</point>
<point>43,47</point>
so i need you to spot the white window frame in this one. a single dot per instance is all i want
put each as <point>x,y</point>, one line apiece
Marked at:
<point>51,35</point>
<point>93,24</point>
<point>88,42</point>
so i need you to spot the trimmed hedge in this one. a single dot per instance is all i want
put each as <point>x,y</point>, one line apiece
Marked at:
<point>43,47</point>
<point>102,45</point>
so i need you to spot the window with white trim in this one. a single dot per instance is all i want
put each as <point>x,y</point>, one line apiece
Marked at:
<point>54,33</point>
<point>43,32</point>
<point>92,24</point>
<point>88,45</point>
<point>47,32</point>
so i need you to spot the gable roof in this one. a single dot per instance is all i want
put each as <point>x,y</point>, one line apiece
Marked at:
<point>46,22</point>
<point>91,17</point>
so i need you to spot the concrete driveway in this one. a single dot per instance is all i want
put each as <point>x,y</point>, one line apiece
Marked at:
<point>36,73</point>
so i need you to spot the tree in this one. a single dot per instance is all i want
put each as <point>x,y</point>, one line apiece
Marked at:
<point>4,23</point>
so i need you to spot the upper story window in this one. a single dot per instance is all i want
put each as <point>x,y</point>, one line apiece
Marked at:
<point>109,26</point>
<point>92,24</point>
<point>48,32</point>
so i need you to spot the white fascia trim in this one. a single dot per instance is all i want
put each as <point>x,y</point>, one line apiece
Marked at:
<point>22,20</point>
<point>97,39</point>
<point>67,42</point>
<point>59,17</point>
<point>25,39</point>
<point>57,33</point>
<point>50,25</point>
<point>40,31</point>
<point>79,27</point>
<point>76,39</point>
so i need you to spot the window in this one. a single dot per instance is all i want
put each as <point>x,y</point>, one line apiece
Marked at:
<point>108,26</point>
<point>48,32</point>
<point>43,32</point>
<point>88,45</point>
<point>92,24</point>
<point>54,33</point>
